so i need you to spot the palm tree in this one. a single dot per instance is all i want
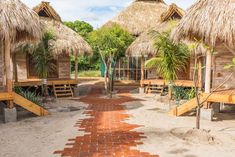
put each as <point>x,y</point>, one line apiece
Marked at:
<point>170,59</point>
<point>43,56</point>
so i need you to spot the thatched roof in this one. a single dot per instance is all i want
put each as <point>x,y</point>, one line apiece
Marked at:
<point>18,22</point>
<point>173,12</point>
<point>44,9</point>
<point>140,15</point>
<point>143,45</point>
<point>67,40</point>
<point>211,21</point>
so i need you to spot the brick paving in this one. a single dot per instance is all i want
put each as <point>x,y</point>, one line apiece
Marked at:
<point>106,133</point>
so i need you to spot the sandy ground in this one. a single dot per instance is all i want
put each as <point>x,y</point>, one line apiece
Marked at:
<point>174,136</point>
<point>166,135</point>
<point>40,137</point>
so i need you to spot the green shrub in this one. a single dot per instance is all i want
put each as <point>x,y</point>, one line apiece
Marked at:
<point>183,93</point>
<point>32,96</point>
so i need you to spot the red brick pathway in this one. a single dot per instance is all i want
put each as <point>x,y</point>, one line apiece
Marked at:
<point>106,133</point>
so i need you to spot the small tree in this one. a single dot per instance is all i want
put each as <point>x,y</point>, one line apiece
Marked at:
<point>111,44</point>
<point>200,102</point>
<point>170,59</point>
<point>42,56</point>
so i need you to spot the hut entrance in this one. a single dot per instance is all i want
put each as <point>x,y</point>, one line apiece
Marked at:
<point>31,70</point>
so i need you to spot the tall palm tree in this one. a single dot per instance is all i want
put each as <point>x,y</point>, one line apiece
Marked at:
<point>43,56</point>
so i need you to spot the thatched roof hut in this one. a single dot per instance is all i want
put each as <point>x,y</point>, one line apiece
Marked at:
<point>210,21</point>
<point>18,22</point>
<point>144,44</point>
<point>67,40</point>
<point>44,9</point>
<point>140,16</point>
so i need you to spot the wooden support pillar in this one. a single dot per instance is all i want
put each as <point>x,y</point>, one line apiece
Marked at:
<point>76,67</point>
<point>128,69</point>
<point>200,73</point>
<point>142,71</point>
<point>8,68</point>
<point>119,69</point>
<point>15,67</point>
<point>137,68</point>
<point>208,72</point>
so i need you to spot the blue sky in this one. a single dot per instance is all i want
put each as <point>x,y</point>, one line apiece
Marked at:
<point>95,12</point>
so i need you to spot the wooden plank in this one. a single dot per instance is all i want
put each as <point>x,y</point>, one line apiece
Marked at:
<point>28,105</point>
<point>222,98</point>
<point>6,96</point>
<point>36,82</point>
<point>184,108</point>
<point>181,83</point>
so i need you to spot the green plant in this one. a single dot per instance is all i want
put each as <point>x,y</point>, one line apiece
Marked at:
<point>171,57</point>
<point>43,56</point>
<point>32,96</point>
<point>183,93</point>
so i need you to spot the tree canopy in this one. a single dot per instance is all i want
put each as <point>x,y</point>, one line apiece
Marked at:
<point>81,27</point>
<point>110,41</point>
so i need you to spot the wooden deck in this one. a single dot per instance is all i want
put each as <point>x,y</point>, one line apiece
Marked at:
<point>222,96</point>
<point>180,83</point>
<point>38,82</point>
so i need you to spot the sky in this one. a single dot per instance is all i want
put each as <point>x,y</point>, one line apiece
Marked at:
<point>95,12</point>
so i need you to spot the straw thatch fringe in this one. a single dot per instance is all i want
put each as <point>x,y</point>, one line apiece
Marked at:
<point>173,12</point>
<point>140,16</point>
<point>209,21</point>
<point>47,10</point>
<point>18,22</point>
<point>66,40</point>
<point>144,45</point>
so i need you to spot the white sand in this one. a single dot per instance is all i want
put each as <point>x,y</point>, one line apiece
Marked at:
<point>166,135</point>
<point>171,136</point>
<point>40,137</point>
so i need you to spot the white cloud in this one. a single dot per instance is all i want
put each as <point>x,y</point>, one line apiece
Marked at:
<point>96,12</point>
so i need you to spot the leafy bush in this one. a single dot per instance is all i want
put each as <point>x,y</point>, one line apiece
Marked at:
<point>183,93</point>
<point>32,96</point>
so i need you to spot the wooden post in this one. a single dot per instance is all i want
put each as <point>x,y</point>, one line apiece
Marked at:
<point>142,71</point>
<point>119,69</point>
<point>128,69</point>
<point>208,72</point>
<point>137,68</point>
<point>76,67</point>
<point>8,67</point>
<point>15,67</point>
<point>200,74</point>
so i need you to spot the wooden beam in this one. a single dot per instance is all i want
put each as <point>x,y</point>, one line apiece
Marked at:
<point>142,70</point>
<point>76,67</point>
<point>222,98</point>
<point>208,72</point>
<point>8,67</point>
<point>15,67</point>
<point>6,96</point>
<point>30,106</point>
<point>128,69</point>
